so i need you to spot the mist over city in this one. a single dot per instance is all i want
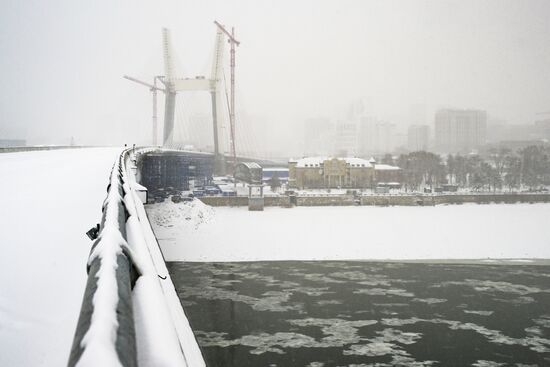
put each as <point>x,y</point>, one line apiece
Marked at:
<point>401,61</point>
<point>355,183</point>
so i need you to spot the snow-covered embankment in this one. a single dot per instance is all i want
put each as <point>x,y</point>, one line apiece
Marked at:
<point>469,231</point>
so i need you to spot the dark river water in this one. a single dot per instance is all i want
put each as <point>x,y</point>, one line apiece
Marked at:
<point>349,313</point>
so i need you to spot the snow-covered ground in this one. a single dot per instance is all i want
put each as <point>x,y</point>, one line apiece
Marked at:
<point>49,200</point>
<point>471,231</point>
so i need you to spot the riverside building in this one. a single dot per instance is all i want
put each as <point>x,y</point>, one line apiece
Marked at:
<point>335,172</point>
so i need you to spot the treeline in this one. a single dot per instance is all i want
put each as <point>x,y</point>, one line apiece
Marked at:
<point>499,169</point>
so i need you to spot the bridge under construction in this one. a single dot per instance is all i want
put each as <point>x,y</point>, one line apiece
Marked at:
<point>170,84</point>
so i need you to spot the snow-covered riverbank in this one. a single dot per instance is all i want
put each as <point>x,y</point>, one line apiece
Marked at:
<point>500,231</point>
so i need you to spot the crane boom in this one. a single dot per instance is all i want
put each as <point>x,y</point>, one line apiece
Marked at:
<point>150,86</point>
<point>153,89</point>
<point>231,36</point>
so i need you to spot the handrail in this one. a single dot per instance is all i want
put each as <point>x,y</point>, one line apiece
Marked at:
<point>105,332</point>
<point>130,303</point>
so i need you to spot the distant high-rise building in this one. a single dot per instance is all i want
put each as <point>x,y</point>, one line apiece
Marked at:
<point>418,114</point>
<point>417,137</point>
<point>497,130</point>
<point>346,138</point>
<point>375,137</point>
<point>543,128</point>
<point>318,137</point>
<point>460,131</point>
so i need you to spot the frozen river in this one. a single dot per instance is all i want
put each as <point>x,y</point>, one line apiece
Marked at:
<point>346,313</point>
<point>300,287</point>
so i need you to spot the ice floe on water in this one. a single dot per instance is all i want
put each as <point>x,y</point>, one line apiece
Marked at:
<point>311,291</point>
<point>493,287</point>
<point>479,312</point>
<point>544,321</point>
<point>387,344</point>
<point>391,304</point>
<point>370,279</point>
<point>338,332</point>
<point>429,301</point>
<point>324,302</point>
<point>522,300</point>
<point>530,273</point>
<point>484,363</point>
<point>394,335</point>
<point>384,292</point>
<point>315,364</point>
<point>261,342</point>
<point>373,349</point>
<point>272,300</point>
<point>534,330</point>
<point>535,343</point>
<point>397,361</point>
<point>356,275</point>
<point>316,277</point>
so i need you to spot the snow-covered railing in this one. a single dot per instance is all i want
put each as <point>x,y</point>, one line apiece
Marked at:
<point>105,333</point>
<point>131,314</point>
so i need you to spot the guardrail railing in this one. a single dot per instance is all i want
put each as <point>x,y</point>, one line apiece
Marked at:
<point>105,332</point>
<point>130,313</point>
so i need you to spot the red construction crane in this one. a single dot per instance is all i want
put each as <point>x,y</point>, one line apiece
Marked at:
<point>154,89</point>
<point>233,42</point>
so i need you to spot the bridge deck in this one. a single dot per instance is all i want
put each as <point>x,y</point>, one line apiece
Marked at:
<point>49,200</point>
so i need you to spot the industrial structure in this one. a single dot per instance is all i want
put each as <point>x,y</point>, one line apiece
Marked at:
<point>154,89</point>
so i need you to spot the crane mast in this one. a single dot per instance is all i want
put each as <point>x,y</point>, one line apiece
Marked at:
<point>154,89</point>
<point>233,42</point>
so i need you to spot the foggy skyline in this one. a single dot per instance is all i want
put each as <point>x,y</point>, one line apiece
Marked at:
<point>62,62</point>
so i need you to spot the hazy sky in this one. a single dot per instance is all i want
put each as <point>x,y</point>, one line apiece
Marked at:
<point>61,62</point>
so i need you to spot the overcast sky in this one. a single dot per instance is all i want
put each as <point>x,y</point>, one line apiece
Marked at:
<point>61,62</point>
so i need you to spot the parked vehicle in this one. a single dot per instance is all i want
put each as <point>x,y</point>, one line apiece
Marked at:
<point>212,190</point>
<point>198,193</point>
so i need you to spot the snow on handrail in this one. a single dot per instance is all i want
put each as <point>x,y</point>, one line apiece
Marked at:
<point>130,303</point>
<point>105,332</point>
<point>163,334</point>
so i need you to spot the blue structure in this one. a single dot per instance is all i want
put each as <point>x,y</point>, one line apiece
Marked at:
<point>268,173</point>
<point>169,173</point>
